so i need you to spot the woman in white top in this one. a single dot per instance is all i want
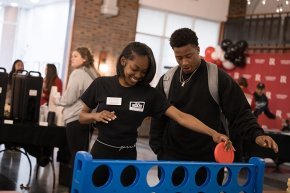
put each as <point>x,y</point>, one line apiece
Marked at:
<point>81,77</point>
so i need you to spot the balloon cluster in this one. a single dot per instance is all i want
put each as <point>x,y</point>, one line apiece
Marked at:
<point>228,55</point>
<point>235,53</point>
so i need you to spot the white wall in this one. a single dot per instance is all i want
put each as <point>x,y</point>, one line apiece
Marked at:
<point>216,10</point>
<point>8,23</point>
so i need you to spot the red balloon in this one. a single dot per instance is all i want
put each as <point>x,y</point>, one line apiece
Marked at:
<point>208,51</point>
<point>216,62</point>
<point>209,59</point>
<point>219,63</point>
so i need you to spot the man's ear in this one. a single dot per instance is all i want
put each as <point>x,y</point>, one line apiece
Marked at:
<point>123,61</point>
<point>198,49</point>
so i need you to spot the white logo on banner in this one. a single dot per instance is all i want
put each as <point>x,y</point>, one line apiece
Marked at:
<point>288,115</point>
<point>285,62</point>
<point>236,75</point>
<point>272,61</point>
<point>278,113</point>
<point>258,77</point>
<point>259,61</point>
<point>248,60</point>
<point>283,79</point>
<point>281,96</point>
<point>264,126</point>
<point>268,94</point>
<point>247,76</point>
<point>270,78</point>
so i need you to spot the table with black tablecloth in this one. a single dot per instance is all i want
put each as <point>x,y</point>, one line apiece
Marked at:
<point>33,138</point>
<point>33,134</point>
<point>283,141</point>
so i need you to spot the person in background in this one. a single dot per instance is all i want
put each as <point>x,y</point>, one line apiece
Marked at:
<point>51,79</point>
<point>123,101</point>
<point>189,91</point>
<point>78,135</point>
<point>286,126</point>
<point>260,103</point>
<point>243,83</point>
<point>18,65</point>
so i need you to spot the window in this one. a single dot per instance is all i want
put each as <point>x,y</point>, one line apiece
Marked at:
<point>151,22</point>
<point>36,35</point>
<point>154,27</point>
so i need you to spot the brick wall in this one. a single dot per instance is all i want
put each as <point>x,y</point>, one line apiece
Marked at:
<point>101,33</point>
<point>237,7</point>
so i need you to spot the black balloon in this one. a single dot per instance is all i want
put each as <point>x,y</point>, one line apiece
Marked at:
<point>231,53</point>
<point>235,53</point>
<point>240,61</point>
<point>242,45</point>
<point>226,56</point>
<point>226,43</point>
<point>233,50</point>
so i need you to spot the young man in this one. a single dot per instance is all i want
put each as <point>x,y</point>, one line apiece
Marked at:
<point>260,102</point>
<point>189,92</point>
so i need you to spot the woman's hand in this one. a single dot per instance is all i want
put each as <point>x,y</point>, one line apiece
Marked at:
<point>267,142</point>
<point>104,116</point>
<point>218,137</point>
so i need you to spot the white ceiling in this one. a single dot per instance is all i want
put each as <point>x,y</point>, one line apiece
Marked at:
<point>28,3</point>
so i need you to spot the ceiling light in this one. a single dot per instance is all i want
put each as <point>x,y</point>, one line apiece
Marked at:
<point>14,4</point>
<point>279,7</point>
<point>34,1</point>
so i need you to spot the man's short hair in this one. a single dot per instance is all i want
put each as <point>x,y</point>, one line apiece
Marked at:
<point>183,37</point>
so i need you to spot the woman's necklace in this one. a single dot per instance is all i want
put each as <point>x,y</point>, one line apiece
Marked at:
<point>181,79</point>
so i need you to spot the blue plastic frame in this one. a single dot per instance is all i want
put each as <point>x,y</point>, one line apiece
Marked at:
<point>85,167</point>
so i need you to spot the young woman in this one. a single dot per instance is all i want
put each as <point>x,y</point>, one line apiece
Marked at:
<point>51,79</point>
<point>123,102</point>
<point>17,66</point>
<point>78,135</point>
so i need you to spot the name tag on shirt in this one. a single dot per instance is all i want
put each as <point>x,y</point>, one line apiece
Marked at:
<point>114,101</point>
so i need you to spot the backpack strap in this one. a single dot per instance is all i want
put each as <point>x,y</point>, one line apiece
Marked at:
<point>167,78</point>
<point>212,75</point>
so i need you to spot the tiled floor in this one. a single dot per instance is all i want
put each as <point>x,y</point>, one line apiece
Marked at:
<point>14,170</point>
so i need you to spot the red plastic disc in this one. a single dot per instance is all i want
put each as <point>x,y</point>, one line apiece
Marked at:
<point>223,156</point>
